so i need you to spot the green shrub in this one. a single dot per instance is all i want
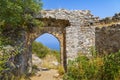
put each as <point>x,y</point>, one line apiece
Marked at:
<point>19,13</point>
<point>97,68</point>
<point>111,69</point>
<point>83,69</point>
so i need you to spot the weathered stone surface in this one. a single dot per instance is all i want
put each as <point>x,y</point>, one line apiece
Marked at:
<point>75,17</point>
<point>80,34</point>
<point>74,30</point>
<point>107,39</point>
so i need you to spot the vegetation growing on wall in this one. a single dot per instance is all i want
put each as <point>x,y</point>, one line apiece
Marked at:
<point>8,66</point>
<point>109,21</point>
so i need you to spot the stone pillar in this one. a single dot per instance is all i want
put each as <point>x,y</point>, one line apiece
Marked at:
<point>30,59</point>
<point>63,50</point>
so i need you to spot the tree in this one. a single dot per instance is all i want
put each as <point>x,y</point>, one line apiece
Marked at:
<point>19,13</point>
<point>14,14</point>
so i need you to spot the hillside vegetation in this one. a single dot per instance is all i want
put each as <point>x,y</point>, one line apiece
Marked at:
<point>42,51</point>
<point>97,68</point>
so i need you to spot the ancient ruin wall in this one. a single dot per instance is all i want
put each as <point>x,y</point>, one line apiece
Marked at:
<point>107,34</point>
<point>107,39</point>
<point>80,34</point>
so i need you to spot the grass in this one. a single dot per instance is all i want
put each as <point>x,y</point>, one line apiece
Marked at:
<point>48,62</point>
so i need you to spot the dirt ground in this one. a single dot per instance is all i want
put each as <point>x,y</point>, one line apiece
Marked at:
<point>47,75</point>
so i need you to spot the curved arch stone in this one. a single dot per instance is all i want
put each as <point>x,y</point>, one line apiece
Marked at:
<point>56,28</point>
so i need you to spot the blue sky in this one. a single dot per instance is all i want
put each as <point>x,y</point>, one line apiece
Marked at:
<point>49,41</point>
<point>101,8</point>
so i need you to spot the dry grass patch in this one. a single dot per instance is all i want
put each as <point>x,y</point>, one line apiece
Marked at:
<point>49,62</point>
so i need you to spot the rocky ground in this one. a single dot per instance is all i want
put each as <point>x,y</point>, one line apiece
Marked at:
<point>46,68</point>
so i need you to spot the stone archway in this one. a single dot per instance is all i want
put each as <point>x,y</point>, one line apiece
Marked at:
<point>59,38</point>
<point>74,29</point>
<point>56,27</point>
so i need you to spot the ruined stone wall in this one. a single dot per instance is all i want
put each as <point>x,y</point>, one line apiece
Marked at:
<point>107,34</point>
<point>76,31</point>
<point>107,39</point>
<point>79,40</point>
<point>80,34</point>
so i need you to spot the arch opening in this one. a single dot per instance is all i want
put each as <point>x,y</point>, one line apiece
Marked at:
<point>47,47</point>
<point>49,40</point>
